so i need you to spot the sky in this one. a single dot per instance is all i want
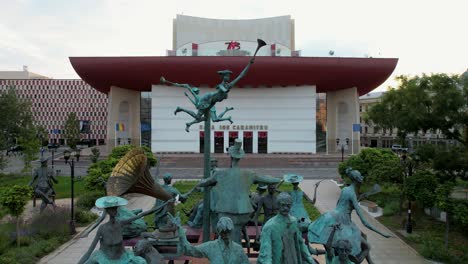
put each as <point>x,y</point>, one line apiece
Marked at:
<point>427,36</point>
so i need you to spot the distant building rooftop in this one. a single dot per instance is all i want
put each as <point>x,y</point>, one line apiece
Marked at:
<point>373,95</point>
<point>24,74</point>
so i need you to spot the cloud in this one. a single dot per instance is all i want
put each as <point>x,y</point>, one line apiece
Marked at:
<point>427,36</point>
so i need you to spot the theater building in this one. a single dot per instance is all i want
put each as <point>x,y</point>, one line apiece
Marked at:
<point>285,104</point>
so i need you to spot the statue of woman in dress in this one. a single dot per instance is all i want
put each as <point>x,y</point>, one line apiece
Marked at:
<point>319,231</point>
<point>110,236</point>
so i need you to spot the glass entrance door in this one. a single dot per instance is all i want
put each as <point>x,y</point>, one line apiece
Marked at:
<point>262,142</point>
<point>219,141</point>
<point>248,141</point>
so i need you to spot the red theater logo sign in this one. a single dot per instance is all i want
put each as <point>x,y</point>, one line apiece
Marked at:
<point>232,45</point>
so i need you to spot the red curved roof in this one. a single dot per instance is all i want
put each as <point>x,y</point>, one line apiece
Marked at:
<point>328,74</point>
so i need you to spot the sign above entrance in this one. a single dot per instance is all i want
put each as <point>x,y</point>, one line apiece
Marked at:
<point>237,127</point>
<point>232,45</point>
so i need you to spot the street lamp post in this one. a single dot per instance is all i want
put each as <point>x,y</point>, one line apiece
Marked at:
<point>408,168</point>
<point>53,152</point>
<point>67,155</point>
<point>342,147</point>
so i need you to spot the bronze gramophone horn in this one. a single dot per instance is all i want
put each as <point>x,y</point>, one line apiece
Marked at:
<point>132,175</point>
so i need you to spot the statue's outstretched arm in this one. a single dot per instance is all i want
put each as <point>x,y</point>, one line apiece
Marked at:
<point>207,182</point>
<point>152,210</point>
<point>265,179</point>
<point>91,248</point>
<point>363,219</point>
<point>242,74</point>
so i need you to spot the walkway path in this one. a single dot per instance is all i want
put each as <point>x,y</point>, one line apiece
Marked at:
<point>384,250</point>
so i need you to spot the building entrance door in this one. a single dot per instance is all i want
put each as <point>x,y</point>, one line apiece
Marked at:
<point>202,141</point>
<point>219,141</point>
<point>232,137</point>
<point>248,141</point>
<point>262,142</point>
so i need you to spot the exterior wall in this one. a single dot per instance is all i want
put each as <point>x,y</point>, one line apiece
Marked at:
<point>373,136</point>
<point>124,107</point>
<point>52,100</point>
<point>286,113</point>
<point>215,47</point>
<point>342,113</point>
<point>188,29</point>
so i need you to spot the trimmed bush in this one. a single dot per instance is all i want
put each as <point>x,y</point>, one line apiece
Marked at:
<point>391,208</point>
<point>87,200</point>
<point>50,224</point>
<point>84,216</point>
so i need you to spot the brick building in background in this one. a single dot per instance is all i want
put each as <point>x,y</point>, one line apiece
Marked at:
<point>53,99</point>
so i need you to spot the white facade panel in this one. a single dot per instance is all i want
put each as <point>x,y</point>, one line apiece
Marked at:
<point>190,29</point>
<point>286,113</point>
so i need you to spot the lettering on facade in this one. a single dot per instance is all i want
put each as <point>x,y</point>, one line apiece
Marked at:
<point>236,127</point>
<point>233,45</point>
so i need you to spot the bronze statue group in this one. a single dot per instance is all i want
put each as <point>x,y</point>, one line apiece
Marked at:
<point>232,208</point>
<point>281,239</point>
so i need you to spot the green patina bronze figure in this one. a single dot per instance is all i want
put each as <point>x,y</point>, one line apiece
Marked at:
<point>340,251</point>
<point>136,227</point>
<point>320,229</point>
<point>220,251</point>
<point>231,188</point>
<point>207,101</point>
<point>256,196</point>
<point>281,240</point>
<point>297,195</point>
<point>160,217</point>
<point>268,204</point>
<point>42,184</point>
<point>110,236</point>
<point>144,248</point>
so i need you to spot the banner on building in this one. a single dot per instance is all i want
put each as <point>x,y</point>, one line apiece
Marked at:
<point>85,126</point>
<point>356,127</point>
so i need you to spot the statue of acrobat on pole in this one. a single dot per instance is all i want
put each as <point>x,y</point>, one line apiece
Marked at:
<point>208,100</point>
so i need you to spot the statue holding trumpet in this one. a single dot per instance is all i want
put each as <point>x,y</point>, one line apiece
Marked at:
<point>206,102</point>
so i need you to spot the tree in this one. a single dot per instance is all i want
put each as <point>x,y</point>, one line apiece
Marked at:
<point>19,117</point>
<point>14,199</point>
<point>72,130</point>
<point>424,103</point>
<point>448,165</point>
<point>18,128</point>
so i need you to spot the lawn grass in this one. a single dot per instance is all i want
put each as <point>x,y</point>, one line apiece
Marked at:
<point>62,188</point>
<point>185,186</point>
<point>428,237</point>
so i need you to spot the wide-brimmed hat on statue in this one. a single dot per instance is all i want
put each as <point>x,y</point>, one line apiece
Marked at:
<point>167,176</point>
<point>262,186</point>
<point>236,150</point>
<point>224,72</point>
<point>293,178</point>
<point>110,201</point>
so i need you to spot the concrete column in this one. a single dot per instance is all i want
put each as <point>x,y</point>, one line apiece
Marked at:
<point>226,140</point>
<point>255,142</point>
<point>124,106</point>
<point>342,113</point>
